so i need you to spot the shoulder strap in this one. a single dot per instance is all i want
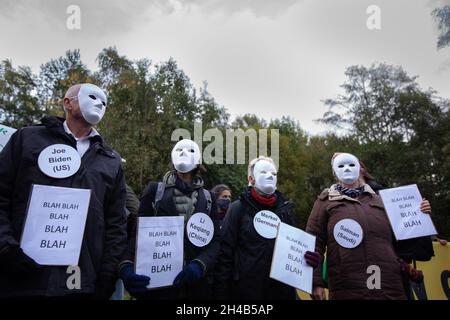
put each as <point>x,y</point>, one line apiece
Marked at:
<point>208,200</point>
<point>158,196</point>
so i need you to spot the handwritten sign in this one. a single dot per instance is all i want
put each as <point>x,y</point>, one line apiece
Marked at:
<point>54,225</point>
<point>159,253</point>
<point>403,209</point>
<point>5,134</point>
<point>288,262</point>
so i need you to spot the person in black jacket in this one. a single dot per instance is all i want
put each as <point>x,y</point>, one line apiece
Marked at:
<point>243,268</point>
<point>105,237</point>
<point>181,194</point>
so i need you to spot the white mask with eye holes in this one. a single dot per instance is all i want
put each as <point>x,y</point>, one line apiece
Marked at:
<point>265,175</point>
<point>92,101</point>
<point>185,155</point>
<point>346,167</point>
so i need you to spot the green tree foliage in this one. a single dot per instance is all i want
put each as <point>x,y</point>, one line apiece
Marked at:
<point>58,75</point>
<point>400,131</point>
<point>18,103</point>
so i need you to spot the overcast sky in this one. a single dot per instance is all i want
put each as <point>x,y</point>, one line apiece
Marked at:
<point>271,58</point>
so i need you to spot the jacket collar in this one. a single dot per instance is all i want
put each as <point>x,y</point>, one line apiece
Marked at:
<point>170,179</point>
<point>55,125</point>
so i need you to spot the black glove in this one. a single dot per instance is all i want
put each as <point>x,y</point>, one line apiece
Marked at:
<point>190,274</point>
<point>15,261</point>
<point>135,284</point>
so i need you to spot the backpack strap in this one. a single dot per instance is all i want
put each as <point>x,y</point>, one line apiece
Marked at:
<point>208,200</point>
<point>158,196</point>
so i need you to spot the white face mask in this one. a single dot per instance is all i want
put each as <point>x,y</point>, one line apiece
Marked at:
<point>265,175</point>
<point>92,101</point>
<point>185,155</point>
<point>346,168</point>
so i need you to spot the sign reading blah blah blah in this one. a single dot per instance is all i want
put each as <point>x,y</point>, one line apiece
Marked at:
<point>288,262</point>
<point>403,209</point>
<point>159,253</point>
<point>54,226</point>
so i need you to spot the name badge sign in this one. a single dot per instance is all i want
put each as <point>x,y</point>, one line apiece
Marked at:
<point>200,229</point>
<point>288,262</point>
<point>59,161</point>
<point>159,253</point>
<point>403,209</point>
<point>54,225</point>
<point>348,233</point>
<point>266,224</point>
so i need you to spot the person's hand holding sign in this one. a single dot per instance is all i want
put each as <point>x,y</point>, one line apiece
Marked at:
<point>135,284</point>
<point>193,272</point>
<point>312,259</point>
<point>425,206</point>
<point>318,293</point>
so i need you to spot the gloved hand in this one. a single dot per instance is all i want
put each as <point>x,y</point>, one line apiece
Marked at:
<point>190,274</point>
<point>312,258</point>
<point>15,261</point>
<point>414,275</point>
<point>134,283</point>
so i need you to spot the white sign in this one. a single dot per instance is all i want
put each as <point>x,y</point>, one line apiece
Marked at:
<point>200,229</point>
<point>348,233</point>
<point>59,161</point>
<point>5,134</point>
<point>266,224</point>
<point>288,262</point>
<point>54,225</point>
<point>403,209</point>
<point>159,253</point>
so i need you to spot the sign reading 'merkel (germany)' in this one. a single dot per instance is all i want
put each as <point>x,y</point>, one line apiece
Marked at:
<point>54,225</point>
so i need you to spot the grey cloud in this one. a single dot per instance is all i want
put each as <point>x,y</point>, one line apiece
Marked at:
<point>98,18</point>
<point>269,8</point>
<point>102,17</point>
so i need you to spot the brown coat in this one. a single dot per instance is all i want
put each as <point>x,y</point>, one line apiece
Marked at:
<point>347,268</point>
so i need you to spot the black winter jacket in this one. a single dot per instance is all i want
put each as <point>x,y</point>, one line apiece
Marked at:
<point>105,234</point>
<point>207,254</point>
<point>243,268</point>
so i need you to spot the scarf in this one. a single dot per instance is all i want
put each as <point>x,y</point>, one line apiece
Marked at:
<point>268,201</point>
<point>352,193</point>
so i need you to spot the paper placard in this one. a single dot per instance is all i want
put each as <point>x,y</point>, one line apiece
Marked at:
<point>5,134</point>
<point>159,252</point>
<point>288,262</point>
<point>403,209</point>
<point>54,225</point>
